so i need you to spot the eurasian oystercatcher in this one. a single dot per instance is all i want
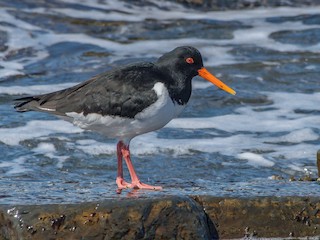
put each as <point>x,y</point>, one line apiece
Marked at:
<point>128,101</point>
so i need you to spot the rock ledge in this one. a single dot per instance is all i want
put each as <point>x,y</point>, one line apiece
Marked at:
<point>168,217</point>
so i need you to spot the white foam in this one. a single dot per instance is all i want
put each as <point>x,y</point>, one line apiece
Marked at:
<point>15,166</point>
<point>34,89</point>
<point>255,159</point>
<point>246,125</point>
<point>141,13</point>
<point>281,119</point>
<point>216,52</point>
<point>19,37</point>
<point>49,150</point>
<point>34,129</point>
<point>228,146</point>
<point>257,35</point>
<point>95,148</point>
<point>297,136</point>
<point>44,148</point>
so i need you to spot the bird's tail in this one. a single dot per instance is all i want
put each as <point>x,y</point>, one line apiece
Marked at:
<point>26,104</point>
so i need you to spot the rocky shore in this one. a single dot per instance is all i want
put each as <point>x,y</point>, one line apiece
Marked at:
<point>167,217</point>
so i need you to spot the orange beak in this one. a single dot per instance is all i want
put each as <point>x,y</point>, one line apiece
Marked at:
<point>204,73</point>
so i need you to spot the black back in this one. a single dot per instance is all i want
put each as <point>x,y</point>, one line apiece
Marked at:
<point>124,91</point>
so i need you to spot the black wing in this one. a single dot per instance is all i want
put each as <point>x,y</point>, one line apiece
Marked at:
<point>121,92</point>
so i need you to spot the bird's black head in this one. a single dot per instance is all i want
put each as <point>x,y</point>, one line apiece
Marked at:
<point>184,61</point>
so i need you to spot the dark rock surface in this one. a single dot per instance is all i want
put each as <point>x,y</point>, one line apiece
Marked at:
<point>168,217</point>
<point>263,216</point>
<point>165,218</point>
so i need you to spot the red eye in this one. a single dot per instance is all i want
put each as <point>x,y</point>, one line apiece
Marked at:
<point>190,60</point>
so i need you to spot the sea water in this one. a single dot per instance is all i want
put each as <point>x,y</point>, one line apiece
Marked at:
<point>221,145</point>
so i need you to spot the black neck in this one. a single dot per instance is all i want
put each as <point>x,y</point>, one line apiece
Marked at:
<point>179,87</point>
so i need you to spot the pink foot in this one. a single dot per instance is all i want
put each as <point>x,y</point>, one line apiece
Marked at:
<point>140,185</point>
<point>122,184</point>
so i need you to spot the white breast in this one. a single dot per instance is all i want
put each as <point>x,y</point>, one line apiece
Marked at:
<point>152,118</point>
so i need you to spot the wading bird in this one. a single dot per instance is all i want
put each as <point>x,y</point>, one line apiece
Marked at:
<point>128,101</point>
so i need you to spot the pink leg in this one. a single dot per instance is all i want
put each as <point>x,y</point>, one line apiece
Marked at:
<point>120,181</point>
<point>136,183</point>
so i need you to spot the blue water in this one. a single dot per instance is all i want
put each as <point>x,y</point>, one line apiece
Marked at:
<point>221,145</point>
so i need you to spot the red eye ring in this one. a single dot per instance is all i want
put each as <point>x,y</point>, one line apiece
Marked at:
<point>190,60</point>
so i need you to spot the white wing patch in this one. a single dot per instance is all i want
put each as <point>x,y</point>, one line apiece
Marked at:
<point>47,109</point>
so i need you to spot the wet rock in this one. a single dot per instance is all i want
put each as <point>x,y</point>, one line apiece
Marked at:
<point>307,178</point>
<point>165,218</point>
<point>263,216</point>
<point>174,217</point>
<point>276,177</point>
<point>292,179</point>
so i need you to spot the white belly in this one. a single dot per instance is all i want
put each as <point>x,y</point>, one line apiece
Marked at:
<point>152,118</point>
